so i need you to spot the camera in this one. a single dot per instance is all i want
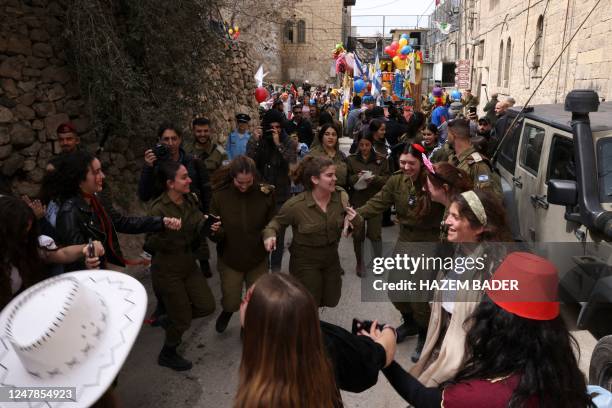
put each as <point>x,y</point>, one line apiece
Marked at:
<point>161,152</point>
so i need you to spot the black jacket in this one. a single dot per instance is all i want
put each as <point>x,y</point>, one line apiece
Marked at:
<point>200,182</point>
<point>77,223</point>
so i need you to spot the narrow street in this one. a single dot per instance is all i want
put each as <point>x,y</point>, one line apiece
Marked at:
<point>214,379</point>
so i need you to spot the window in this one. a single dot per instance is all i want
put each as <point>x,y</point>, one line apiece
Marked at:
<point>501,64</point>
<point>561,164</point>
<point>604,163</point>
<point>531,149</point>
<point>289,32</point>
<point>481,50</point>
<point>507,64</point>
<point>301,32</point>
<point>539,41</point>
<point>509,146</point>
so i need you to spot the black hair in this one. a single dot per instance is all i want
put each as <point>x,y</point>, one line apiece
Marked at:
<point>432,128</point>
<point>64,181</point>
<point>460,128</point>
<point>167,126</point>
<point>200,122</point>
<point>334,125</point>
<point>18,246</point>
<point>375,125</point>
<point>165,171</point>
<point>356,101</point>
<point>499,343</point>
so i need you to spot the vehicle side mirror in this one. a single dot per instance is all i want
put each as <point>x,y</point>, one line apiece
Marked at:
<point>562,192</point>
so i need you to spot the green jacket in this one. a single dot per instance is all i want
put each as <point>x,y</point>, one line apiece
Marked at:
<point>213,157</point>
<point>405,195</point>
<point>311,226</point>
<point>339,161</point>
<point>479,169</point>
<point>379,168</point>
<point>243,217</point>
<point>174,250</point>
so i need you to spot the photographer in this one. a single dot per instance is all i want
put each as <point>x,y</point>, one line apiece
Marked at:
<point>273,152</point>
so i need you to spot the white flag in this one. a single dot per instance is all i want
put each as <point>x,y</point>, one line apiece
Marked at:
<point>443,27</point>
<point>259,76</point>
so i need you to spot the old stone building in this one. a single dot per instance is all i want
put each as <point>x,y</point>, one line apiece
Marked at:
<point>512,44</point>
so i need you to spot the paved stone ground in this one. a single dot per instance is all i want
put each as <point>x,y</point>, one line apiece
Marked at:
<point>213,380</point>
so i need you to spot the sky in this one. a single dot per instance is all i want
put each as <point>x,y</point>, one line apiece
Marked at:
<point>373,10</point>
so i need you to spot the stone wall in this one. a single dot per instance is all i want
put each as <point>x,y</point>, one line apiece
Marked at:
<point>39,90</point>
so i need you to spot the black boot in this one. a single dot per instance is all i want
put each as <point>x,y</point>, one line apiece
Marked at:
<point>222,321</point>
<point>419,347</point>
<point>408,328</point>
<point>205,268</point>
<point>168,357</point>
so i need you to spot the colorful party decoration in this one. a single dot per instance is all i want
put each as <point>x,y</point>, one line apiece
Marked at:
<point>261,94</point>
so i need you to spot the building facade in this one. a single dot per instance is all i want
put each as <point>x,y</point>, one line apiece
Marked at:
<point>511,45</point>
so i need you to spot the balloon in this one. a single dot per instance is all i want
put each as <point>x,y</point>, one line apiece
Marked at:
<point>261,94</point>
<point>406,49</point>
<point>396,60</point>
<point>403,42</point>
<point>403,56</point>
<point>390,51</point>
<point>230,31</point>
<point>405,36</point>
<point>359,85</point>
<point>456,95</point>
<point>236,28</point>
<point>394,45</point>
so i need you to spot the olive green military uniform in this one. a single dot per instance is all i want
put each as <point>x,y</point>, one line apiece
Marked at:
<point>175,272</point>
<point>242,258</point>
<point>213,156</point>
<point>314,249</point>
<point>400,191</point>
<point>478,168</point>
<point>380,169</point>
<point>339,161</point>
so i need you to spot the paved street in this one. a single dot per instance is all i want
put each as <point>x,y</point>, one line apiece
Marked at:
<point>213,380</point>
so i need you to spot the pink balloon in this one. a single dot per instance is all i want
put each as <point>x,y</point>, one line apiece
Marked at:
<point>395,45</point>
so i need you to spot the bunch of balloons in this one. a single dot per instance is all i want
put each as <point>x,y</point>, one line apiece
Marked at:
<point>399,51</point>
<point>234,32</point>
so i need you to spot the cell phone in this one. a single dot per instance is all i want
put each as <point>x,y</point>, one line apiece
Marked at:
<point>359,325</point>
<point>211,220</point>
<point>91,251</point>
<point>472,109</point>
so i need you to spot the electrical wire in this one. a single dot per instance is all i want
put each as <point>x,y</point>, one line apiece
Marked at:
<point>521,112</point>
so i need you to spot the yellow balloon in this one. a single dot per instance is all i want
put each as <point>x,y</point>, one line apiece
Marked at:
<point>236,28</point>
<point>396,60</point>
<point>402,42</point>
<point>231,31</point>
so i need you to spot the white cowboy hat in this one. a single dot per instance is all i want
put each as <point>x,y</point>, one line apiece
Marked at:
<point>73,330</point>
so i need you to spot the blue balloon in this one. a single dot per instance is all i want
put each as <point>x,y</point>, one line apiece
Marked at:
<point>359,85</point>
<point>406,49</point>
<point>406,36</point>
<point>313,102</point>
<point>456,95</point>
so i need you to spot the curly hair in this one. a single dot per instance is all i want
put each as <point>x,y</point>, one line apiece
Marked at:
<point>311,166</point>
<point>64,181</point>
<point>497,229</point>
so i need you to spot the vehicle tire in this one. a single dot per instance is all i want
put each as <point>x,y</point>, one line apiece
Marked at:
<point>600,370</point>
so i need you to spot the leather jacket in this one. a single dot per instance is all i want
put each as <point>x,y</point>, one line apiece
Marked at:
<point>77,223</point>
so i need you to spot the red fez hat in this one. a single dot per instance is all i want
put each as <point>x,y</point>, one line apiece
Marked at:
<point>537,281</point>
<point>66,127</point>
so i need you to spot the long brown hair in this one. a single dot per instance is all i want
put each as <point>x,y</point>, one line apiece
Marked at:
<point>284,363</point>
<point>239,164</point>
<point>456,179</point>
<point>311,166</point>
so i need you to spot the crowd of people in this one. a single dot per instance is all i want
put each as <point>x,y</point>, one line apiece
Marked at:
<point>427,171</point>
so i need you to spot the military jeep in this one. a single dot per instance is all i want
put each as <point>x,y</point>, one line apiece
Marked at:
<point>555,163</point>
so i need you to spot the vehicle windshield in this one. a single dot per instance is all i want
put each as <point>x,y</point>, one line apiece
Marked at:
<point>604,159</point>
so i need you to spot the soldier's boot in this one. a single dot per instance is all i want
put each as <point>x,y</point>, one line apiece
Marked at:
<point>168,357</point>
<point>408,328</point>
<point>205,268</point>
<point>359,269</point>
<point>419,347</point>
<point>223,321</point>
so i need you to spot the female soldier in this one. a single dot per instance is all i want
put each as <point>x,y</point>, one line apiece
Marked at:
<point>363,161</point>
<point>378,129</point>
<point>176,277</point>
<point>245,207</point>
<point>419,221</point>
<point>435,151</point>
<point>317,217</point>
<point>329,148</point>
